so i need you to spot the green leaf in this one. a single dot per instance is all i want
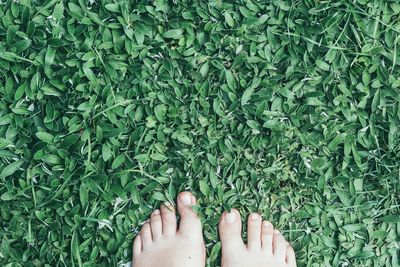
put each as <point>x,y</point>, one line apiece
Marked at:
<point>173,34</point>
<point>356,156</point>
<point>262,19</point>
<point>75,9</point>
<point>247,95</point>
<point>10,169</point>
<point>229,20</point>
<point>118,161</point>
<point>365,254</point>
<point>158,157</point>
<point>11,33</point>
<point>55,42</point>
<point>215,251</point>
<point>113,8</point>
<point>7,196</point>
<point>50,54</point>
<point>75,248</point>
<point>84,195</point>
<point>46,137</point>
<point>22,45</point>
<point>336,142</point>
<point>9,56</point>
<point>159,196</point>
<point>204,188</point>
<point>354,227</point>
<point>51,159</point>
<point>204,69</point>
<point>230,80</point>
<point>322,65</point>
<point>183,138</point>
<point>253,124</point>
<point>6,119</point>
<point>391,218</point>
<point>88,73</point>
<point>58,12</point>
<point>106,152</point>
<point>212,159</point>
<point>160,112</point>
<point>272,124</point>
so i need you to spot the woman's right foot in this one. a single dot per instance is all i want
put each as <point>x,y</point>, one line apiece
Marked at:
<point>265,247</point>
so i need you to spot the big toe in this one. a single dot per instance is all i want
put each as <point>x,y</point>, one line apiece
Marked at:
<point>279,244</point>
<point>290,256</point>
<point>230,229</point>
<point>189,222</point>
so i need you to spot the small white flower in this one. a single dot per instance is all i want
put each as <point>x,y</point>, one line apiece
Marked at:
<point>105,223</point>
<point>31,107</point>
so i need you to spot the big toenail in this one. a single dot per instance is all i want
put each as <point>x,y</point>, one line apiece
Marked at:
<point>230,217</point>
<point>186,199</point>
<point>254,216</point>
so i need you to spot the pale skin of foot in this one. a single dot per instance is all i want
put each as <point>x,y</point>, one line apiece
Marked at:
<point>265,246</point>
<point>161,243</point>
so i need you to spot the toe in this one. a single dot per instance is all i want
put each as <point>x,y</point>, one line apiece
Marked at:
<point>137,246</point>
<point>290,256</point>
<point>230,231</point>
<point>267,233</point>
<point>156,225</point>
<point>145,234</point>
<point>189,222</point>
<point>254,231</point>
<point>279,244</point>
<point>168,219</point>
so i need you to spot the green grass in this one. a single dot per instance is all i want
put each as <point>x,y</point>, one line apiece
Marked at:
<point>290,108</point>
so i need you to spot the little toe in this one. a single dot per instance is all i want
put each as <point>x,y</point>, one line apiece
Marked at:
<point>267,233</point>
<point>290,256</point>
<point>137,246</point>
<point>230,231</point>
<point>156,225</point>
<point>168,219</point>
<point>145,234</point>
<point>189,220</point>
<point>279,244</point>
<point>254,231</point>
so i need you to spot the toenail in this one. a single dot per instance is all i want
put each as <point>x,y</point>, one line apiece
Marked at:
<point>254,216</point>
<point>277,232</point>
<point>267,224</point>
<point>230,217</point>
<point>186,199</point>
<point>156,212</point>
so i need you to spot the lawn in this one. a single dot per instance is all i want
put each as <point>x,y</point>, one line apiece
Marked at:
<point>108,108</point>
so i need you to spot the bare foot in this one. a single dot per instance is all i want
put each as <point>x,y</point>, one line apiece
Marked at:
<point>265,247</point>
<point>161,244</point>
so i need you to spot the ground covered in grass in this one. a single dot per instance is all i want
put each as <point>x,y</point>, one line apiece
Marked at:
<point>290,108</point>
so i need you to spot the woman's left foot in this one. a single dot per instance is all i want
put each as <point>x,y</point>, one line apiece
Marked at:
<point>160,243</point>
